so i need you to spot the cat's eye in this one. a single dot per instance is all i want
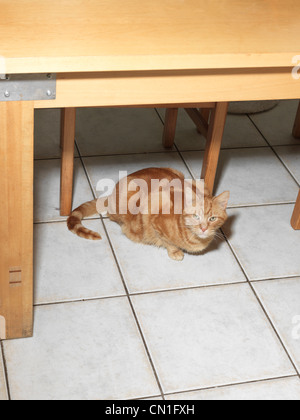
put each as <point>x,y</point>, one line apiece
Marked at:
<point>196,216</point>
<point>212,219</point>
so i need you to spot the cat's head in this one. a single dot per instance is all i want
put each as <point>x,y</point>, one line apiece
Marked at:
<point>206,218</point>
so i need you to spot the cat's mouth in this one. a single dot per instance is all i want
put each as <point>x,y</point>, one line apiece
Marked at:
<point>203,235</point>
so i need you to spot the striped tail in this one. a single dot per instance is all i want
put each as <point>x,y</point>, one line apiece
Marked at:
<point>74,221</point>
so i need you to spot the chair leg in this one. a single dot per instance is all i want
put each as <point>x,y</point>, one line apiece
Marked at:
<point>205,112</point>
<point>213,144</point>
<point>170,127</point>
<point>296,130</point>
<point>68,119</point>
<point>199,120</point>
<point>295,222</point>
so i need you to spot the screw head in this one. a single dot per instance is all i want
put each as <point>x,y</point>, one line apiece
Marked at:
<point>6,93</point>
<point>49,93</point>
<point>49,76</point>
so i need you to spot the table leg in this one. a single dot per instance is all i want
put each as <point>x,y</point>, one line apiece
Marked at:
<point>213,144</point>
<point>68,122</point>
<point>16,219</point>
<point>170,127</point>
<point>295,222</point>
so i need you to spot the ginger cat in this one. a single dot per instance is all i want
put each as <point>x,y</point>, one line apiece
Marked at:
<point>190,230</point>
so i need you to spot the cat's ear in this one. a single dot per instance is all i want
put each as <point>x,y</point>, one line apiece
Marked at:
<point>222,199</point>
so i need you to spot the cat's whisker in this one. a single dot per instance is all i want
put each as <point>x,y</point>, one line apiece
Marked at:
<point>219,235</point>
<point>193,235</point>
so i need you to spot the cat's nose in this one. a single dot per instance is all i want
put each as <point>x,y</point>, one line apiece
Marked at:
<point>204,228</point>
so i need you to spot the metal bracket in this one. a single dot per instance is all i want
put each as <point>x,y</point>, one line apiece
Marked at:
<point>27,87</point>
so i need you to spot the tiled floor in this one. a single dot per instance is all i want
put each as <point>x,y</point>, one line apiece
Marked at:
<point>117,320</point>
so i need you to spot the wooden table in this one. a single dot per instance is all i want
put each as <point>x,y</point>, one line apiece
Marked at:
<point>124,53</point>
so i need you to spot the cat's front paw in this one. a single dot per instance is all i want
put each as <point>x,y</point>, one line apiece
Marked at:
<point>176,255</point>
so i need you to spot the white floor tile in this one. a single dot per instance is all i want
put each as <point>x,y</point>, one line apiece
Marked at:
<point>287,389</point>
<point>68,267</point>
<point>239,132</point>
<point>253,176</point>
<point>106,131</point>
<point>264,241</point>
<point>209,336</point>
<point>83,350</point>
<point>102,167</point>
<point>291,157</point>
<point>141,274</point>
<point>281,300</point>
<point>47,133</point>
<point>47,189</point>
<point>186,137</point>
<point>277,125</point>
<point>3,390</point>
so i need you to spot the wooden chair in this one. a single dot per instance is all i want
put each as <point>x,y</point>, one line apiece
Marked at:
<point>210,121</point>
<point>295,222</point>
<point>67,143</point>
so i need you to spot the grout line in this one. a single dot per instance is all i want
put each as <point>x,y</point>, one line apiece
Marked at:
<point>87,299</point>
<point>87,175</point>
<point>277,378</point>
<point>150,153</point>
<point>134,313</point>
<point>238,206</point>
<point>155,152</point>
<point>290,277</point>
<point>5,372</point>
<point>184,162</point>
<point>77,146</point>
<point>263,307</point>
<point>144,398</point>
<point>235,256</point>
<point>275,330</point>
<point>274,151</point>
<point>178,289</point>
<point>175,289</point>
<point>227,148</point>
<point>53,158</point>
<point>159,116</point>
<point>50,158</point>
<point>148,292</point>
<point>50,221</point>
<point>164,151</point>
<point>63,220</point>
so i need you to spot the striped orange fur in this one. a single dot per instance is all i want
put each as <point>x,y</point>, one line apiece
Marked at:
<point>190,231</point>
<point>74,221</point>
